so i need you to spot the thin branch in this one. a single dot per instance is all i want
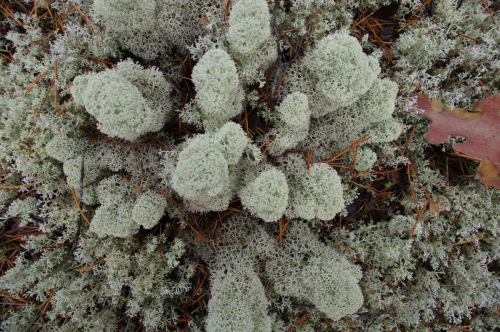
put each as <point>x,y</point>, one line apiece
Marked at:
<point>280,55</point>
<point>77,235</point>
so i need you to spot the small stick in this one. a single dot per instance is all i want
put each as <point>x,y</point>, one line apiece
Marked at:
<point>77,235</point>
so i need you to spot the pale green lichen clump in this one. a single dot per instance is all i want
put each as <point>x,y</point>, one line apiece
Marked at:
<point>249,34</point>
<point>149,208</point>
<point>127,101</point>
<point>122,212</point>
<point>315,192</point>
<point>306,268</point>
<point>219,93</point>
<point>337,73</point>
<point>114,216</point>
<point>238,302</point>
<point>152,28</point>
<point>267,195</point>
<point>293,123</point>
<point>204,175</point>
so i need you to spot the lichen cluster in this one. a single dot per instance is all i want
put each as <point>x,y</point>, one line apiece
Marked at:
<point>185,165</point>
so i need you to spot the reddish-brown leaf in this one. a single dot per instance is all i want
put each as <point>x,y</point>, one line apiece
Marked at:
<point>481,127</point>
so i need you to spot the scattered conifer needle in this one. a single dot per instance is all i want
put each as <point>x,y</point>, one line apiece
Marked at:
<point>425,4</point>
<point>142,185</point>
<point>104,62</point>
<point>489,12</point>
<point>198,205</point>
<point>352,258</point>
<point>78,205</point>
<point>420,213</point>
<point>226,10</point>
<point>409,139</point>
<point>64,106</point>
<point>474,39</point>
<point>464,242</point>
<point>90,267</point>
<point>168,197</point>
<point>45,304</point>
<point>362,261</point>
<point>35,82</point>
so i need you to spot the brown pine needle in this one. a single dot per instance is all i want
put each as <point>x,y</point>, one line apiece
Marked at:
<point>55,87</point>
<point>425,4</point>
<point>40,44</point>
<point>267,147</point>
<point>41,106</point>
<point>198,233</point>
<point>309,157</point>
<point>78,205</point>
<point>352,258</point>
<point>142,185</point>
<point>138,182</point>
<point>362,261</point>
<point>28,192</point>
<point>420,213</point>
<point>409,139</point>
<point>104,62</point>
<point>226,10</point>
<point>423,188</point>
<point>279,85</point>
<point>45,304</point>
<point>262,262</point>
<point>35,82</point>
<point>168,197</point>
<point>198,204</point>
<point>355,158</point>
<point>65,106</point>
<point>282,229</point>
<point>373,173</point>
<point>358,142</point>
<point>9,12</point>
<point>489,12</point>
<point>90,267</point>
<point>411,187</point>
<point>474,39</point>
<point>92,26</point>
<point>460,243</point>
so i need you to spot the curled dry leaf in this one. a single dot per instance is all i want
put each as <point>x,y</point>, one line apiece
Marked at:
<point>480,125</point>
<point>488,173</point>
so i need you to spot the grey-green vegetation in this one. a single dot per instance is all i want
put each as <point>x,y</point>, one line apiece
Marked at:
<point>204,141</point>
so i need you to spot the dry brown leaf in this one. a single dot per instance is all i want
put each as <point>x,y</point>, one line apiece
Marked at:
<point>481,127</point>
<point>434,208</point>
<point>441,205</point>
<point>488,173</point>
